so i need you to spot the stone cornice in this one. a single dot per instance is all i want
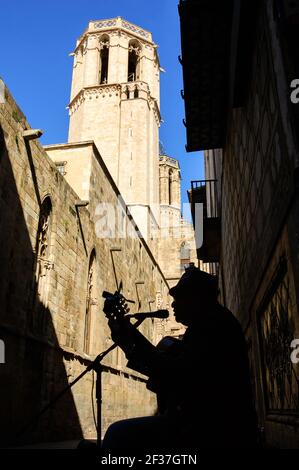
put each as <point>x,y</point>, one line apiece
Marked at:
<point>117,89</point>
<point>95,90</point>
<point>120,23</point>
<point>117,26</point>
<point>166,160</point>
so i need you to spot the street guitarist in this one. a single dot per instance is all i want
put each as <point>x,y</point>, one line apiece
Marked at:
<point>202,382</point>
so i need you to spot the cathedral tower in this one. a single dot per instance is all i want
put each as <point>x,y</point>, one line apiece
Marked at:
<point>170,190</point>
<point>176,241</point>
<point>115,102</point>
<point>114,120</point>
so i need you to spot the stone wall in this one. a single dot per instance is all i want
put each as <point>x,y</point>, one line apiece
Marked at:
<point>260,243</point>
<point>257,179</point>
<point>44,341</point>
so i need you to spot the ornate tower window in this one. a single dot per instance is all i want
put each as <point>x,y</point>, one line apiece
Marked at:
<point>90,302</point>
<point>79,55</point>
<point>104,59</point>
<point>43,266</point>
<point>134,61</point>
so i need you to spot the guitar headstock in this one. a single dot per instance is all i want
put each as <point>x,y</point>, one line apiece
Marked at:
<point>115,306</point>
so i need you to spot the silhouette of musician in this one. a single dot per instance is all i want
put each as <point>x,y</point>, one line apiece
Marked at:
<point>202,381</point>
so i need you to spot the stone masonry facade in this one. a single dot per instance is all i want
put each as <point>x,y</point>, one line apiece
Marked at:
<point>120,112</point>
<point>79,218</point>
<point>54,267</point>
<point>260,244</point>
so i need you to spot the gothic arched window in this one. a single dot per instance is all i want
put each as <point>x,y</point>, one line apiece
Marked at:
<point>90,302</point>
<point>42,266</point>
<point>134,61</point>
<point>104,59</point>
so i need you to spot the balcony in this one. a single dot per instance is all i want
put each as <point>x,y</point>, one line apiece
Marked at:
<point>205,193</point>
<point>217,42</point>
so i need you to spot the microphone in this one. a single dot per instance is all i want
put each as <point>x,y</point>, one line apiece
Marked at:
<point>156,314</point>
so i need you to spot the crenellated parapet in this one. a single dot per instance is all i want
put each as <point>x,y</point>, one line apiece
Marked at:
<point>114,27</point>
<point>123,24</point>
<point>165,159</point>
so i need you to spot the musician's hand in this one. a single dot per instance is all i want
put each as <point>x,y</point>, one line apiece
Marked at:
<point>121,332</point>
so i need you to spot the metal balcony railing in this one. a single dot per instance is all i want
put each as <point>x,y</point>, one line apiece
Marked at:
<point>205,192</point>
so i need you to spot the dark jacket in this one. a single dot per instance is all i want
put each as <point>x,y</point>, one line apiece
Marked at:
<point>203,382</point>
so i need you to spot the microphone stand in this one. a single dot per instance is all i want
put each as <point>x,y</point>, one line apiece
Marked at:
<point>98,368</point>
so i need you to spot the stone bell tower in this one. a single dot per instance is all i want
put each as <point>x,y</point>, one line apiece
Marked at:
<point>115,102</point>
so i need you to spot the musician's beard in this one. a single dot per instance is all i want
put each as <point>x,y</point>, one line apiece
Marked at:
<point>188,315</point>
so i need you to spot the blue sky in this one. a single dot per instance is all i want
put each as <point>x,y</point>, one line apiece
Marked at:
<point>36,38</point>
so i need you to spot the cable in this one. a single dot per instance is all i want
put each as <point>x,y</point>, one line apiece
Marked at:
<point>92,402</point>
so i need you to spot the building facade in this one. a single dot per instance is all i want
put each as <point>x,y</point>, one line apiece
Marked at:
<point>250,134</point>
<point>115,102</point>
<point>176,247</point>
<point>79,218</point>
<point>54,268</point>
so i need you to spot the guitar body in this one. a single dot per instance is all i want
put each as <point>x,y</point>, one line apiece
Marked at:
<point>168,342</point>
<point>171,346</point>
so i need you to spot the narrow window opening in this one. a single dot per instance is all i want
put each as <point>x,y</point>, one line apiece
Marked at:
<point>134,61</point>
<point>90,301</point>
<point>42,267</point>
<point>104,63</point>
<point>132,66</point>
<point>104,60</point>
<point>170,187</point>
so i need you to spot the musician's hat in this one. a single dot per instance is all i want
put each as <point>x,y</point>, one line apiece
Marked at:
<point>196,282</point>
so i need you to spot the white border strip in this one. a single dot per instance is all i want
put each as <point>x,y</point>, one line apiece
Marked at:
<point>2,92</point>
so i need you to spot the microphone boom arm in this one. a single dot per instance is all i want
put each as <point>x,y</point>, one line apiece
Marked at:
<point>157,314</point>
